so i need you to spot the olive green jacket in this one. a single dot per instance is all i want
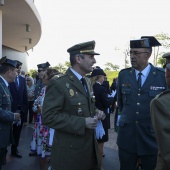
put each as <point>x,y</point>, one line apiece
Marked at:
<point>160,115</point>
<point>66,105</point>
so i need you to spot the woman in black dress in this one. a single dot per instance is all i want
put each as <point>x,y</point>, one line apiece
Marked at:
<point>102,103</point>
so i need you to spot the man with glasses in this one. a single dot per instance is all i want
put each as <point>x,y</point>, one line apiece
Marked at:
<point>160,114</point>
<point>137,86</point>
<point>69,108</point>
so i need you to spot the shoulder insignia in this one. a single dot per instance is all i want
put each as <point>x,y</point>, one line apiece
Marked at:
<point>59,76</point>
<point>125,69</point>
<point>160,69</point>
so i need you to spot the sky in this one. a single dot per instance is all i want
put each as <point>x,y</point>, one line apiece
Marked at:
<point>111,23</point>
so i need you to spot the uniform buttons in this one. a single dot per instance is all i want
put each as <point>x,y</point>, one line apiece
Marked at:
<point>138,104</point>
<point>139,94</point>
<point>79,104</point>
<point>136,122</point>
<point>71,146</point>
<point>137,113</point>
<point>75,135</point>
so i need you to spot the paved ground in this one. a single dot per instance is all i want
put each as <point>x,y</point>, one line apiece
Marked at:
<point>31,163</point>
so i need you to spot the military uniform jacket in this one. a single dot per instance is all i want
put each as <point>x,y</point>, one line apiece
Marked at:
<point>6,116</point>
<point>160,114</point>
<point>136,134</point>
<point>66,105</point>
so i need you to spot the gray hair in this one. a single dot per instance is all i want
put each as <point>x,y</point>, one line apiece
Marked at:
<point>31,79</point>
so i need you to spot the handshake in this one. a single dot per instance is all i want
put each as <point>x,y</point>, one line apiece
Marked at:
<point>91,123</point>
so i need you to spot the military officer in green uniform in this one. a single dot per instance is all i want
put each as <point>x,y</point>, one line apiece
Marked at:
<point>137,86</point>
<point>69,108</point>
<point>8,72</point>
<point>160,114</point>
<point>39,85</point>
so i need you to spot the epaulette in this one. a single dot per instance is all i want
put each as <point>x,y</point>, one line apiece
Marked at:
<point>160,69</point>
<point>164,92</point>
<point>58,76</point>
<point>124,69</point>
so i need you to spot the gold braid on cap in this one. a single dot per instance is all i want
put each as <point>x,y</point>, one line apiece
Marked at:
<point>86,51</point>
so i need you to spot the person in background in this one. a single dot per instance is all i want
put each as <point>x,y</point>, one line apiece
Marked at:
<point>69,108</point>
<point>8,72</point>
<point>102,102</point>
<point>40,144</point>
<point>160,114</point>
<point>30,92</point>
<point>137,86</point>
<point>23,73</point>
<point>39,85</point>
<point>18,90</point>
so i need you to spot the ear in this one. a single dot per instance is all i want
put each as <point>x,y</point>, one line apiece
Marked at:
<point>78,59</point>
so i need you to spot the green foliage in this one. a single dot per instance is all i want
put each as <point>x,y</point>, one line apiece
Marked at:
<point>110,66</point>
<point>111,75</point>
<point>32,73</point>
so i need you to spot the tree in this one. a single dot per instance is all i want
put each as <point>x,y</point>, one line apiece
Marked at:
<point>165,41</point>
<point>67,64</point>
<point>111,66</point>
<point>60,67</point>
<point>161,61</point>
<point>32,73</point>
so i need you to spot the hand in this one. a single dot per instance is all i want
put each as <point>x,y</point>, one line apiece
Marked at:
<point>16,116</point>
<point>91,123</point>
<point>100,115</point>
<point>39,108</point>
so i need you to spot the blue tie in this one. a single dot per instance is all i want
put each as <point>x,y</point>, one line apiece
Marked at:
<point>16,83</point>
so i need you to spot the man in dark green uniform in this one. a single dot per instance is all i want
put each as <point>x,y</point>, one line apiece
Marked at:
<point>8,72</point>
<point>69,108</point>
<point>160,114</point>
<point>137,86</point>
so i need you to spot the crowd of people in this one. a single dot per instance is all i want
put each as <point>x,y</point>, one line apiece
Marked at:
<point>71,110</point>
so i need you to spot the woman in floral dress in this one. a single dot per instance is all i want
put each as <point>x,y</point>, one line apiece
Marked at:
<point>42,136</point>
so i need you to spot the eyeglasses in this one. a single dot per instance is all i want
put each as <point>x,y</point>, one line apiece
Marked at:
<point>27,80</point>
<point>137,53</point>
<point>40,70</point>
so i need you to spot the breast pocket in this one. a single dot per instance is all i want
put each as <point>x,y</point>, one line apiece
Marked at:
<point>78,106</point>
<point>153,93</point>
<point>126,95</point>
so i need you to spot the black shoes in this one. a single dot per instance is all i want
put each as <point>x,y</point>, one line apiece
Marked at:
<point>33,154</point>
<point>16,154</point>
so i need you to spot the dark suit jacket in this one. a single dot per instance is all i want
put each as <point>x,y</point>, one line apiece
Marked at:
<point>160,114</point>
<point>19,97</point>
<point>65,107</point>
<point>136,134</point>
<point>6,116</point>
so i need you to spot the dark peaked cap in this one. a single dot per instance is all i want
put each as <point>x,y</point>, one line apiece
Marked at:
<point>83,48</point>
<point>10,62</point>
<point>44,65</point>
<point>153,41</point>
<point>166,55</point>
<point>97,72</point>
<point>144,42</point>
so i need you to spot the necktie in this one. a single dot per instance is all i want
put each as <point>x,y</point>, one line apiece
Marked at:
<point>16,82</point>
<point>139,81</point>
<point>83,81</point>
